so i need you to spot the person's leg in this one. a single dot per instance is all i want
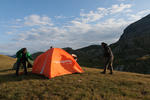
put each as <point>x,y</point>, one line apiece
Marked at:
<point>17,68</point>
<point>106,65</point>
<point>25,68</point>
<point>111,66</point>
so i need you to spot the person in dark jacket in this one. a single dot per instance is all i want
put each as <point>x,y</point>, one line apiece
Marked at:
<point>108,55</point>
<point>22,57</point>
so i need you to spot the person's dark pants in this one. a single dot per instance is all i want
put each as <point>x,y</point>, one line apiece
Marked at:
<point>109,64</point>
<point>24,66</point>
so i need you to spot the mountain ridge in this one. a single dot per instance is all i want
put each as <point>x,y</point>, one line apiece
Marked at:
<point>129,50</point>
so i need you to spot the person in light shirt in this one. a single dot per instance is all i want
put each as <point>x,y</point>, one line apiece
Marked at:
<point>75,57</point>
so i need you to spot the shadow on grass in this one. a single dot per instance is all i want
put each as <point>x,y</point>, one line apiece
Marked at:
<point>97,67</point>
<point>13,78</point>
<point>5,70</point>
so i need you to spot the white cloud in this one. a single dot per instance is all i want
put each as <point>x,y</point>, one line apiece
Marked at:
<point>77,34</point>
<point>81,31</point>
<point>93,16</point>
<point>63,17</point>
<point>33,20</point>
<point>60,17</point>
<point>139,15</point>
<point>119,8</point>
<point>78,27</point>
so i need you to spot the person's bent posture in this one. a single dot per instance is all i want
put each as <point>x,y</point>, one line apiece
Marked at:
<point>108,55</point>
<point>75,57</point>
<point>22,57</point>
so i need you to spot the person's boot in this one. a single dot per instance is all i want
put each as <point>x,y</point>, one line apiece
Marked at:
<point>111,73</point>
<point>104,72</point>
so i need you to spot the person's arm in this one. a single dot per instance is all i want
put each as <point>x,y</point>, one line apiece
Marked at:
<point>29,56</point>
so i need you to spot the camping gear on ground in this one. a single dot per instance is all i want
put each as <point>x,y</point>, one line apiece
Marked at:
<point>55,62</point>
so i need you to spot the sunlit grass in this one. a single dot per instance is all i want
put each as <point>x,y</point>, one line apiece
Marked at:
<point>91,85</point>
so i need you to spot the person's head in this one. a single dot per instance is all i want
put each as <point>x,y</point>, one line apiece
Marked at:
<point>51,47</point>
<point>103,44</point>
<point>24,50</point>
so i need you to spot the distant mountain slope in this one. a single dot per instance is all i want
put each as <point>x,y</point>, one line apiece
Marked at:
<point>136,38</point>
<point>88,56</point>
<point>129,51</point>
<point>34,55</point>
<point>132,51</point>
<point>134,44</point>
<point>6,62</point>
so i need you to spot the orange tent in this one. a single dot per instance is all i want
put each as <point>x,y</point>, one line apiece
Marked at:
<point>55,62</point>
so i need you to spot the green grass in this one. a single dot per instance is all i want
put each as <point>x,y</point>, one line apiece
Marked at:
<point>91,85</point>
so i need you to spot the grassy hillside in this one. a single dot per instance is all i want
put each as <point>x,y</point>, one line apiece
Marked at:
<point>91,85</point>
<point>6,62</point>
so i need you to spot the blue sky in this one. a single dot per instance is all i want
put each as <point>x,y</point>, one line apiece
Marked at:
<point>37,24</point>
